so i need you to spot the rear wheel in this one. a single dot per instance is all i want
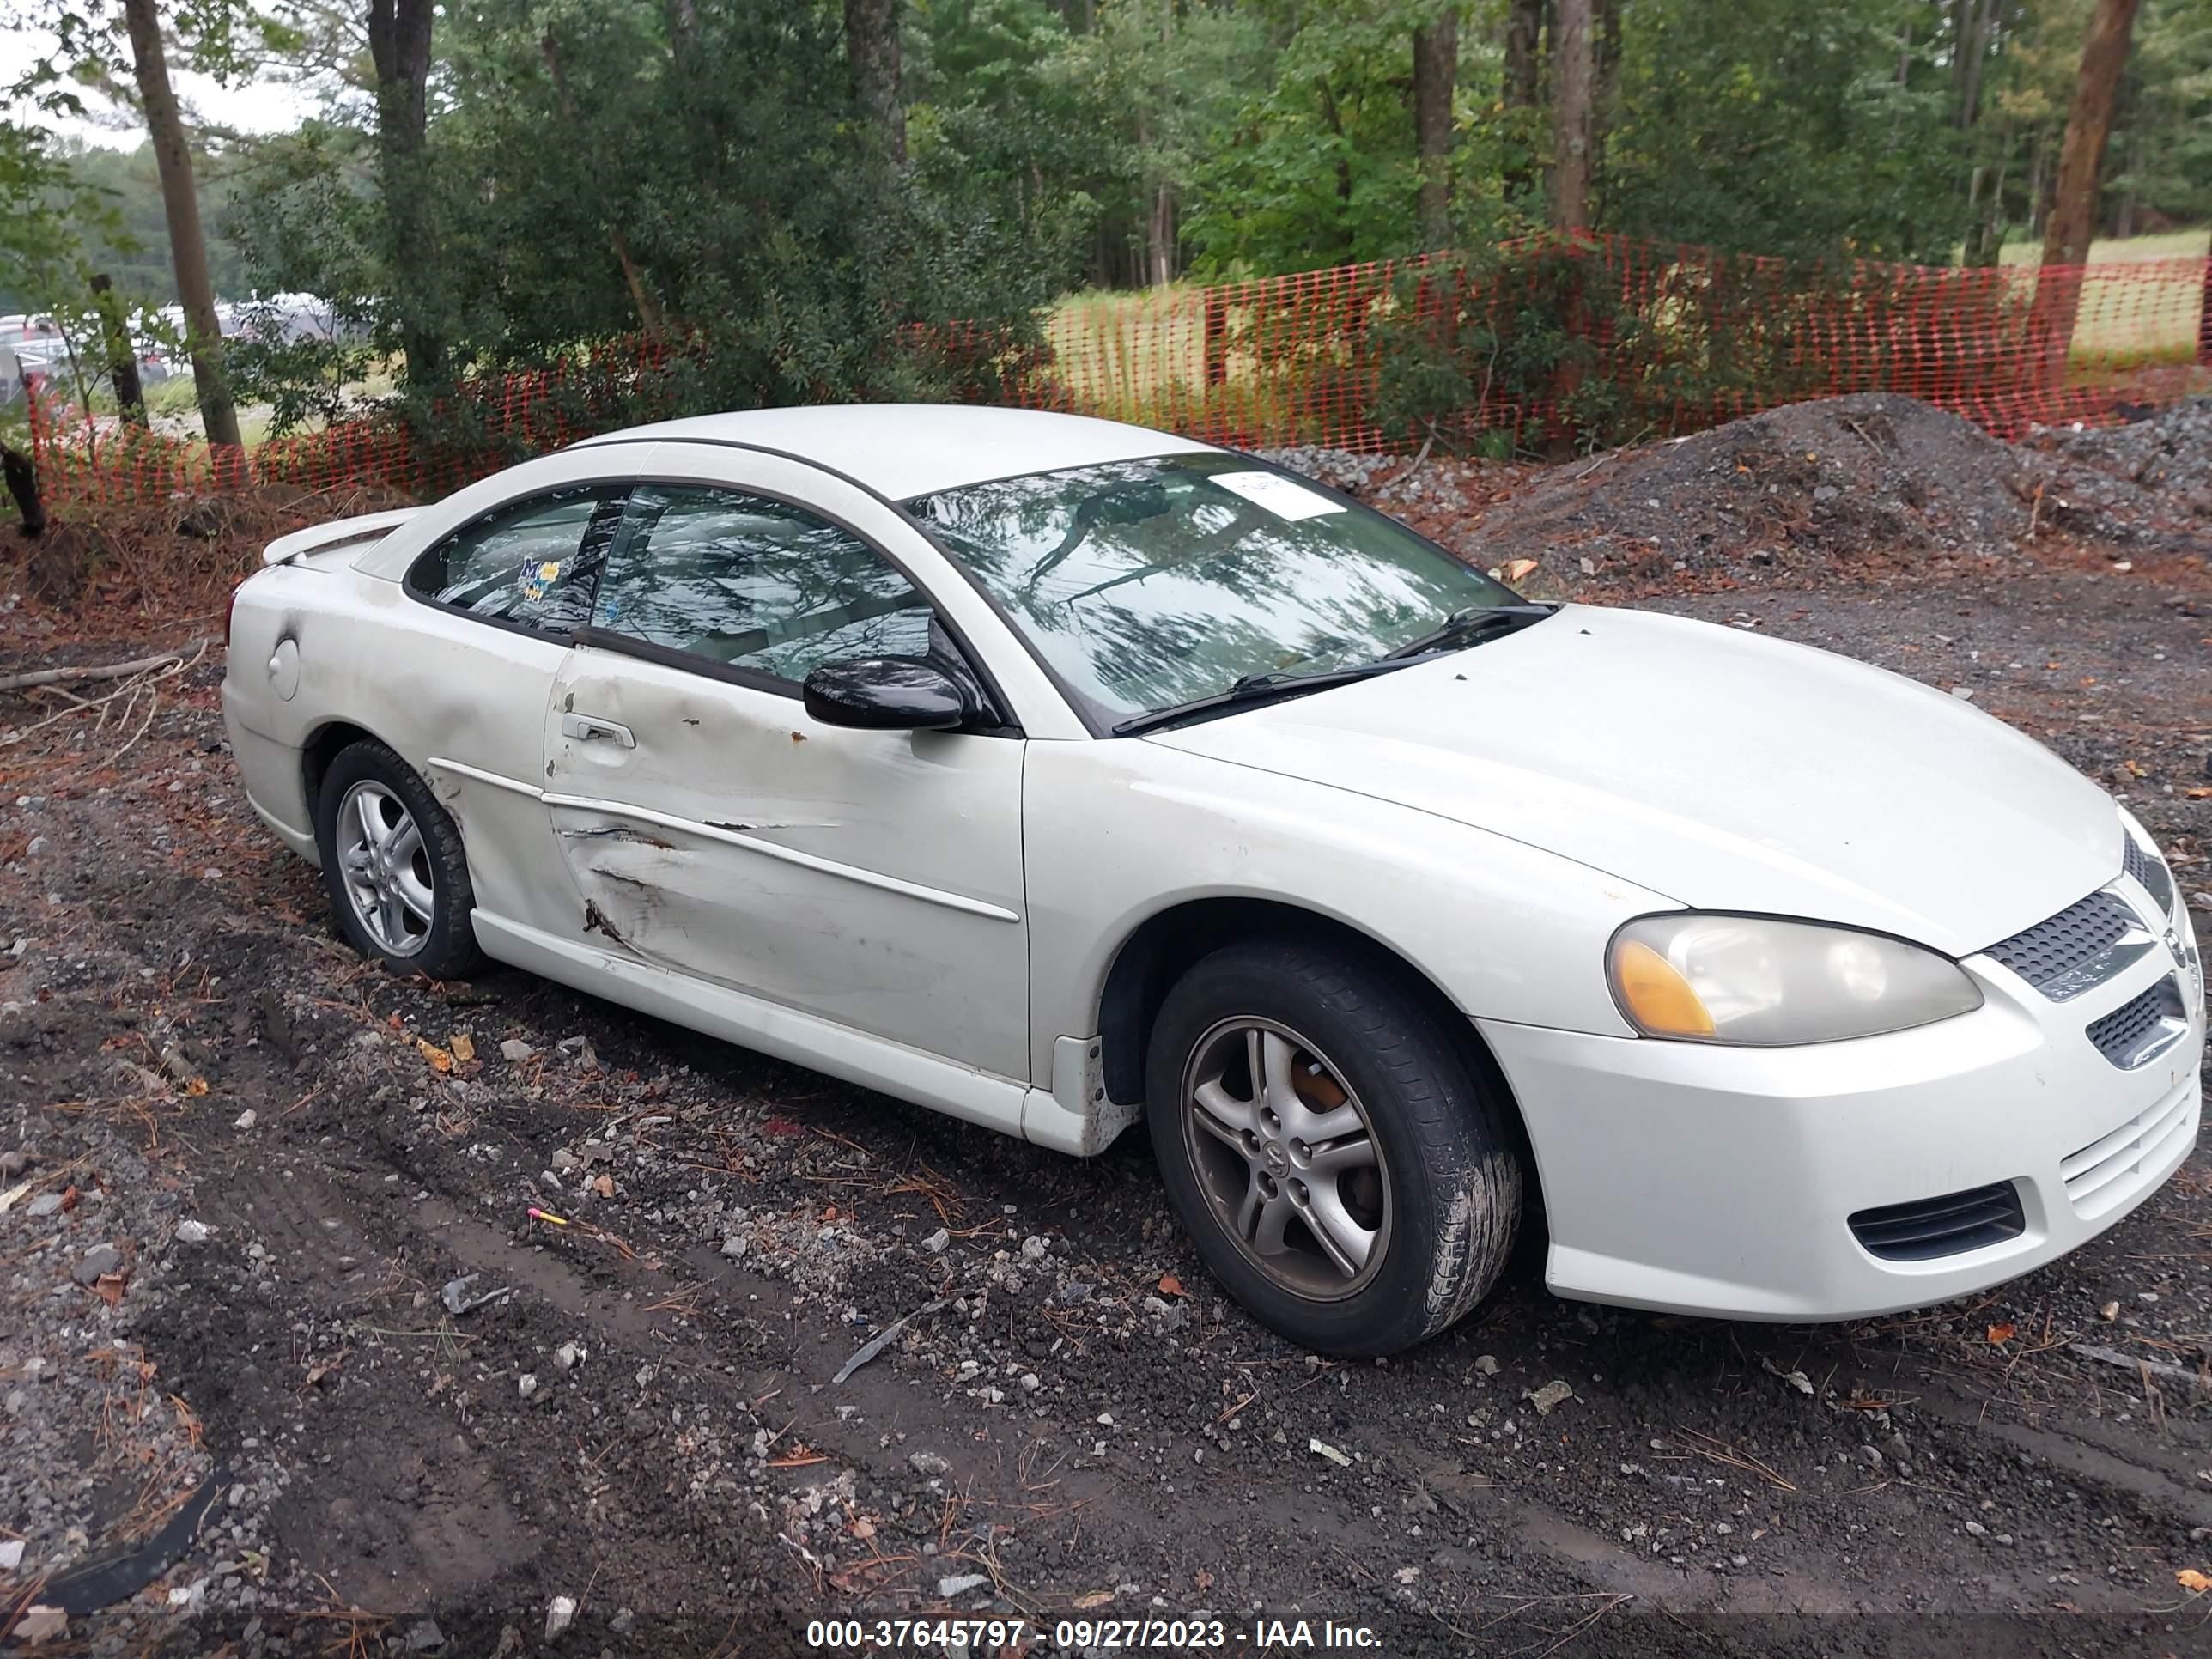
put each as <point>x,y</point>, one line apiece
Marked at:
<point>393,866</point>
<point>1340,1169</point>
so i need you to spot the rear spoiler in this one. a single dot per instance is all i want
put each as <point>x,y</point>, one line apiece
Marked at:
<point>340,532</point>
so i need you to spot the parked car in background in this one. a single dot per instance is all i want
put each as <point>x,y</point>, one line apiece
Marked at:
<point>1058,774</point>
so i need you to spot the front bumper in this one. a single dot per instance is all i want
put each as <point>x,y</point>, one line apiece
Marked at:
<point>1700,1179</point>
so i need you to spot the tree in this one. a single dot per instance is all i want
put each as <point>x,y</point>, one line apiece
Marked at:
<point>2072,222</point>
<point>1524,29</point>
<point>1573,78</point>
<point>871,52</point>
<point>1436,74</point>
<point>400,33</point>
<point>180,205</point>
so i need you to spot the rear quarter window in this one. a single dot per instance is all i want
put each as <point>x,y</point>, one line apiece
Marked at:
<point>531,564</point>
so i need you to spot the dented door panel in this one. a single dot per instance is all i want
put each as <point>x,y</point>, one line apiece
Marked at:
<point>873,878</point>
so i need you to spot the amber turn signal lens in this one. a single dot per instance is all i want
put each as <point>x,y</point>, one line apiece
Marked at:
<point>1656,997</point>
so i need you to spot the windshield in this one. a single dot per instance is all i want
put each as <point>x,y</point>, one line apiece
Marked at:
<point>1150,584</point>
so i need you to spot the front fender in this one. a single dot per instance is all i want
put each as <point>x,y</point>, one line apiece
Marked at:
<point>1118,831</point>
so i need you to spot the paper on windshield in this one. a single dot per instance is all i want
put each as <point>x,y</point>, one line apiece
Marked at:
<point>1285,498</point>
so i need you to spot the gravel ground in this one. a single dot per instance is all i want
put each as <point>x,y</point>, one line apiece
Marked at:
<point>291,1368</point>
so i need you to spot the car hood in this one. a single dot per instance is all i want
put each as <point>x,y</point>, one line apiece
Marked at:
<point>1728,771</point>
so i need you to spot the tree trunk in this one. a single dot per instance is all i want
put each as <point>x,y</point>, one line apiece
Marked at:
<point>1346,236</point>
<point>640,297</point>
<point>22,476</point>
<point>1435,71</point>
<point>1524,23</point>
<point>2072,222</point>
<point>2204,319</point>
<point>683,26</point>
<point>871,52</point>
<point>399,45</point>
<point>1572,67</point>
<point>1974,22</point>
<point>1524,27</point>
<point>1605,47</point>
<point>121,351</point>
<point>1162,234</point>
<point>180,206</point>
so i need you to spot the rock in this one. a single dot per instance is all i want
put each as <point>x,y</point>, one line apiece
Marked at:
<point>1031,1382</point>
<point>1034,1249</point>
<point>244,1119</point>
<point>560,1614</point>
<point>1976,1529</point>
<point>1486,1363</point>
<point>928,1462</point>
<point>44,1203</point>
<point>425,1636</point>
<point>101,1260</point>
<point>624,1621</point>
<point>11,1555</point>
<point>40,1625</point>
<point>569,1356</point>
<point>14,1161</point>
<point>937,1242</point>
<point>1870,1457</point>
<point>192,1232</point>
<point>566,1161</point>
<point>514,1050</point>
<point>1553,1394</point>
<point>734,1246</point>
<point>526,1384</point>
<point>961,1583</point>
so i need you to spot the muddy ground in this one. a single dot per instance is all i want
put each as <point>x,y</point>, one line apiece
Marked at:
<point>255,1400</point>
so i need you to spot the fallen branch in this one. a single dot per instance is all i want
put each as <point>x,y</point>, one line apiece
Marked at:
<point>882,1338</point>
<point>2142,1367</point>
<point>113,670</point>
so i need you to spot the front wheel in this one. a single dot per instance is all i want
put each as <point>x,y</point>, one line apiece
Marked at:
<point>1337,1165</point>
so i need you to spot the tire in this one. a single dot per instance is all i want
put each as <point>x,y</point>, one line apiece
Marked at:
<point>411,911</point>
<point>1435,1193</point>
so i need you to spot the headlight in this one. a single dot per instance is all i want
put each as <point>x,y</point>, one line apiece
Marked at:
<point>1765,983</point>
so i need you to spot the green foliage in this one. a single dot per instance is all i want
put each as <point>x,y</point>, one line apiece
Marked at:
<point>1772,126</point>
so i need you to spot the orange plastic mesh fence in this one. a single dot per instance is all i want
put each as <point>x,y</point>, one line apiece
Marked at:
<point>1536,341</point>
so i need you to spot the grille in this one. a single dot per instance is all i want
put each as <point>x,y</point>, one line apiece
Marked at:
<point>1956,1222</point>
<point>2145,866</point>
<point>2076,936</point>
<point>2136,1030</point>
<point>2107,1171</point>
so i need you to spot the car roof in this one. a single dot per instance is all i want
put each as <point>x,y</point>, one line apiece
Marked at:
<point>904,450</point>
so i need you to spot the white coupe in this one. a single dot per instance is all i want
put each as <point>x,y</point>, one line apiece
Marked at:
<point>1054,772</point>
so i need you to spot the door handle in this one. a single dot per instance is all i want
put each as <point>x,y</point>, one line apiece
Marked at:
<point>589,728</point>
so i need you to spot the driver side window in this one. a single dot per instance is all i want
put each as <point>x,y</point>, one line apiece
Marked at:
<point>754,585</point>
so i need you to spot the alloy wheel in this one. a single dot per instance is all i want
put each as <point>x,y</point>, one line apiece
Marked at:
<point>1287,1157</point>
<point>387,868</point>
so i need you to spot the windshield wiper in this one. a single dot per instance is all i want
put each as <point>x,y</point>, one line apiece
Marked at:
<point>1460,628</point>
<point>1465,627</point>
<point>1259,688</point>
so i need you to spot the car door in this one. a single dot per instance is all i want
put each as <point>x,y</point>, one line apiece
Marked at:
<point>713,827</point>
<point>496,602</point>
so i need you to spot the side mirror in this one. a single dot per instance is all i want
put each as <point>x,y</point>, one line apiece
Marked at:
<point>885,694</point>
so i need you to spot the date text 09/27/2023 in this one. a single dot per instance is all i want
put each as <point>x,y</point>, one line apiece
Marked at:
<point>1090,1635</point>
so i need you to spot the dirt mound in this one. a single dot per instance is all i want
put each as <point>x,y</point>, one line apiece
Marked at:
<point>1868,486</point>
<point>1873,482</point>
<point>2169,453</point>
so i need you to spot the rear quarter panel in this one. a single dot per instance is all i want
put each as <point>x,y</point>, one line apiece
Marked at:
<point>430,684</point>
